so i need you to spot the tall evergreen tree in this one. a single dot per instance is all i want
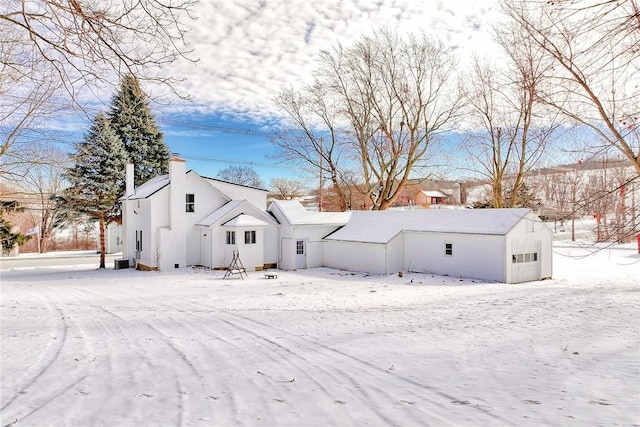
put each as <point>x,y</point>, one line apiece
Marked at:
<point>97,176</point>
<point>135,124</point>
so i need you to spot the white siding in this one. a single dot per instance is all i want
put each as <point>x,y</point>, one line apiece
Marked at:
<point>395,254</point>
<point>356,256</point>
<point>475,256</point>
<point>254,196</point>
<point>531,235</point>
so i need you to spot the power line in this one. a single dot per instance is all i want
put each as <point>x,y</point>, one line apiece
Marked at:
<point>234,161</point>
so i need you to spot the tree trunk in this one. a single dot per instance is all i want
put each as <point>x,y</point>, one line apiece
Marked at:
<point>103,250</point>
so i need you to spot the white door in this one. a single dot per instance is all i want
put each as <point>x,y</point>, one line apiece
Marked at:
<point>525,261</point>
<point>301,254</point>
<point>205,247</point>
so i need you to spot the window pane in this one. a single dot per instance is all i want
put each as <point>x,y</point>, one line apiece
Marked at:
<point>190,205</point>
<point>448,248</point>
<point>527,257</point>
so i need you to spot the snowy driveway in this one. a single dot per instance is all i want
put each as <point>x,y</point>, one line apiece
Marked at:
<point>81,347</point>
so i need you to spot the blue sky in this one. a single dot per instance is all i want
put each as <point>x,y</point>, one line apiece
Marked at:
<point>249,50</point>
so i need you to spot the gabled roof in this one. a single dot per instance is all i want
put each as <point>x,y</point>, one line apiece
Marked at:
<point>434,193</point>
<point>150,187</point>
<point>382,226</point>
<point>296,214</point>
<point>214,180</point>
<point>244,220</point>
<point>240,206</point>
<point>159,182</point>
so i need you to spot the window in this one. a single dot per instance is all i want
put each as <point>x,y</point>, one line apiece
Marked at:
<point>139,240</point>
<point>249,237</point>
<point>231,237</point>
<point>191,203</point>
<point>448,249</point>
<point>528,257</point>
<point>299,247</point>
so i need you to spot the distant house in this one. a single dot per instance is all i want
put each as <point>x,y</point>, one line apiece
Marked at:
<point>428,198</point>
<point>183,219</point>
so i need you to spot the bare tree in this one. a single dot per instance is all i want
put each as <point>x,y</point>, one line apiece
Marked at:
<point>286,189</point>
<point>375,109</point>
<point>594,54</point>
<point>50,48</point>
<point>397,96</point>
<point>243,175</point>
<point>515,128</point>
<point>312,137</point>
<point>39,184</point>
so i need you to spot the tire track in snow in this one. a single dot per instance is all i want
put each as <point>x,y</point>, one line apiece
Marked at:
<point>145,359</point>
<point>29,391</point>
<point>337,374</point>
<point>367,368</point>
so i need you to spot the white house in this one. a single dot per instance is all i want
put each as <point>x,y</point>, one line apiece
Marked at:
<point>504,245</point>
<point>182,219</point>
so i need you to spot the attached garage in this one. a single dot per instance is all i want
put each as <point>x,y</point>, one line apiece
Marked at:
<point>502,245</point>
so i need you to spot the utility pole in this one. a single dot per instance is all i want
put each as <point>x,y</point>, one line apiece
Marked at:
<point>321,174</point>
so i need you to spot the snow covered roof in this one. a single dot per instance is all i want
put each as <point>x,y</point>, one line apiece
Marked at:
<point>219,213</point>
<point>244,220</point>
<point>434,193</point>
<point>296,214</point>
<point>228,208</point>
<point>150,187</point>
<point>382,226</point>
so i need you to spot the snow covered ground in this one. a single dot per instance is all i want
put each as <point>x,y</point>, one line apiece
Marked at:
<point>81,347</point>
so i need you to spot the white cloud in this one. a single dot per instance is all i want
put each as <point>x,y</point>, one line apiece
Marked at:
<point>249,50</point>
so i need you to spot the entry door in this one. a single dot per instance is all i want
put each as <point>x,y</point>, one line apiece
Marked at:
<point>301,254</point>
<point>205,247</point>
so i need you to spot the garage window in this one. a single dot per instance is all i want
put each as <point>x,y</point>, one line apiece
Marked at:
<point>448,249</point>
<point>520,258</point>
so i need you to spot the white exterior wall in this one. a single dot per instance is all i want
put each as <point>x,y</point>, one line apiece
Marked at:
<point>251,255</point>
<point>155,215</point>
<point>270,244</point>
<point>356,256</point>
<point>528,236</point>
<point>222,253</point>
<point>395,254</point>
<point>474,256</point>
<point>206,200</point>
<point>113,238</point>
<point>254,196</point>
<point>314,244</point>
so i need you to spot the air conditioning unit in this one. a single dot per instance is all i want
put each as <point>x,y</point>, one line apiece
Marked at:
<point>120,264</point>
